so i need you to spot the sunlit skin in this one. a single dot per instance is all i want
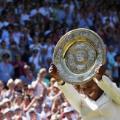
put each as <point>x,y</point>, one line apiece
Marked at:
<point>1,116</point>
<point>5,58</point>
<point>42,74</point>
<point>11,86</point>
<point>33,116</point>
<point>8,115</point>
<point>26,101</point>
<point>90,89</point>
<point>1,86</point>
<point>68,115</point>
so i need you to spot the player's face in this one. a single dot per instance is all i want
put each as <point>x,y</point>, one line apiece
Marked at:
<point>91,90</point>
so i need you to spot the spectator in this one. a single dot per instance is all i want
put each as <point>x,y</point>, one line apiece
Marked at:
<point>6,69</point>
<point>40,88</point>
<point>69,113</point>
<point>116,70</point>
<point>35,59</point>
<point>1,116</point>
<point>3,48</point>
<point>110,57</point>
<point>18,85</point>
<point>45,111</point>
<point>18,66</point>
<point>18,113</point>
<point>33,115</point>
<point>18,99</point>
<point>10,93</point>
<point>8,114</point>
<point>28,76</point>
<point>26,101</point>
<point>1,90</point>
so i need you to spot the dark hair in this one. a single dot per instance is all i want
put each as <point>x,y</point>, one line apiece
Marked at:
<point>118,55</point>
<point>5,55</point>
<point>35,51</point>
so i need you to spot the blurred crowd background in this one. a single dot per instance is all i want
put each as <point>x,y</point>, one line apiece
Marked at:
<point>29,31</point>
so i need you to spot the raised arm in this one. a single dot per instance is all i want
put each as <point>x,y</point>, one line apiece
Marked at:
<point>79,102</point>
<point>71,94</point>
<point>109,88</point>
<point>107,85</point>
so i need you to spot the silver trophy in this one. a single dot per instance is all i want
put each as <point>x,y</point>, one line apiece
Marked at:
<point>78,54</point>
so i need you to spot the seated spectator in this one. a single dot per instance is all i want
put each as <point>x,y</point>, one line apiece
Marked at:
<point>14,49</point>
<point>43,52</point>
<point>1,90</point>
<point>8,113</point>
<point>38,104</point>
<point>116,70</point>
<point>19,85</point>
<point>1,116</point>
<point>33,115</point>
<point>6,69</point>
<point>35,59</point>
<point>26,101</point>
<point>31,90</point>
<point>5,103</point>
<point>69,114</point>
<point>110,57</point>
<point>28,76</point>
<point>40,88</point>
<point>46,109</point>
<point>10,92</point>
<point>3,48</point>
<point>18,66</point>
<point>18,114</point>
<point>18,99</point>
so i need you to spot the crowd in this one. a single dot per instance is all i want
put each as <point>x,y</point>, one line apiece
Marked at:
<point>29,31</point>
<point>35,101</point>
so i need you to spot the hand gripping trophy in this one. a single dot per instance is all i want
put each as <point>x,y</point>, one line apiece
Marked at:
<point>78,67</point>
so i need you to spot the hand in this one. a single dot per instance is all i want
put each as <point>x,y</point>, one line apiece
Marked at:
<point>53,71</point>
<point>100,72</point>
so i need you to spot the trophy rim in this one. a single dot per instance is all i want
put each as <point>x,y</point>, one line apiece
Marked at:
<point>58,61</point>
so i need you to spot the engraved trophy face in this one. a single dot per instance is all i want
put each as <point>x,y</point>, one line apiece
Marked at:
<point>77,54</point>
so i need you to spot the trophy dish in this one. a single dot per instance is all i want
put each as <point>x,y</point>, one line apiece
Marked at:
<point>78,54</point>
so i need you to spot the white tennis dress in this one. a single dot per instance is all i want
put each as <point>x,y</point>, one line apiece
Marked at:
<point>107,107</point>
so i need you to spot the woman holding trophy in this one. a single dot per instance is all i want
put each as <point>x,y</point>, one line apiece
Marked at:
<point>78,68</point>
